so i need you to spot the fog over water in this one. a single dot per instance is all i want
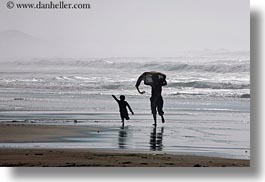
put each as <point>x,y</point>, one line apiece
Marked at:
<point>125,29</point>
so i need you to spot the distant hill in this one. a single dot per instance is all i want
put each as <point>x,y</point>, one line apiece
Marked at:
<point>15,43</point>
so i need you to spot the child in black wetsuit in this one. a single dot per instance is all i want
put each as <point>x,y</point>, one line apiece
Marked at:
<point>123,108</point>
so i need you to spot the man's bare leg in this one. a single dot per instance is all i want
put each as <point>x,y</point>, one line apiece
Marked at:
<point>163,119</point>
<point>154,116</point>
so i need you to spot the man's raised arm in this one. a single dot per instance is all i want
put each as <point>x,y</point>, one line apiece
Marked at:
<point>164,83</point>
<point>138,84</point>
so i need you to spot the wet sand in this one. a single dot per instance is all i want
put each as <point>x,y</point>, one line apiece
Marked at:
<point>15,132</point>
<point>25,132</point>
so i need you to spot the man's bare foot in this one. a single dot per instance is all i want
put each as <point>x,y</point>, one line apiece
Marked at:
<point>163,120</point>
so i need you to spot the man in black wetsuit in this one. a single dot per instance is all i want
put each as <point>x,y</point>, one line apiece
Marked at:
<point>156,81</point>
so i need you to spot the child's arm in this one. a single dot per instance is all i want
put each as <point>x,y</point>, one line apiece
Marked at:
<point>130,108</point>
<point>115,98</point>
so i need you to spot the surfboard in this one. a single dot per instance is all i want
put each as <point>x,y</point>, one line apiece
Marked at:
<point>148,77</point>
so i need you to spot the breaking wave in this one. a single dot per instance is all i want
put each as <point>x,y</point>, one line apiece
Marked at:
<point>218,66</point>
<point>212,85</point>
<point>227,77</point>
<point>225,66</point>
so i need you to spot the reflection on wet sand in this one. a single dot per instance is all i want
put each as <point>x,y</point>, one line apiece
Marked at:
<point>155,143</point>
<point>156,139</point>
<point>123,132</point>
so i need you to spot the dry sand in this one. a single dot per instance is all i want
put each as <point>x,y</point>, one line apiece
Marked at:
<point>86,157</point>
<point>13,132</point>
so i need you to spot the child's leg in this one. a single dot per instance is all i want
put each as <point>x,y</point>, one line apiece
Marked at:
<point>122,120</point>
<point>122,117</point>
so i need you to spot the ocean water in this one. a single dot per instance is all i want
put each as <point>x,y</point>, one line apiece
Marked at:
<point>203,107</point>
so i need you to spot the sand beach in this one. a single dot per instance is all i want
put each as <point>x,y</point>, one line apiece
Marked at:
<point>77,157</point>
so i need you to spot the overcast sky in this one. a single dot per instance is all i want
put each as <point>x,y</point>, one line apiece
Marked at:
<point>136,27</point>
